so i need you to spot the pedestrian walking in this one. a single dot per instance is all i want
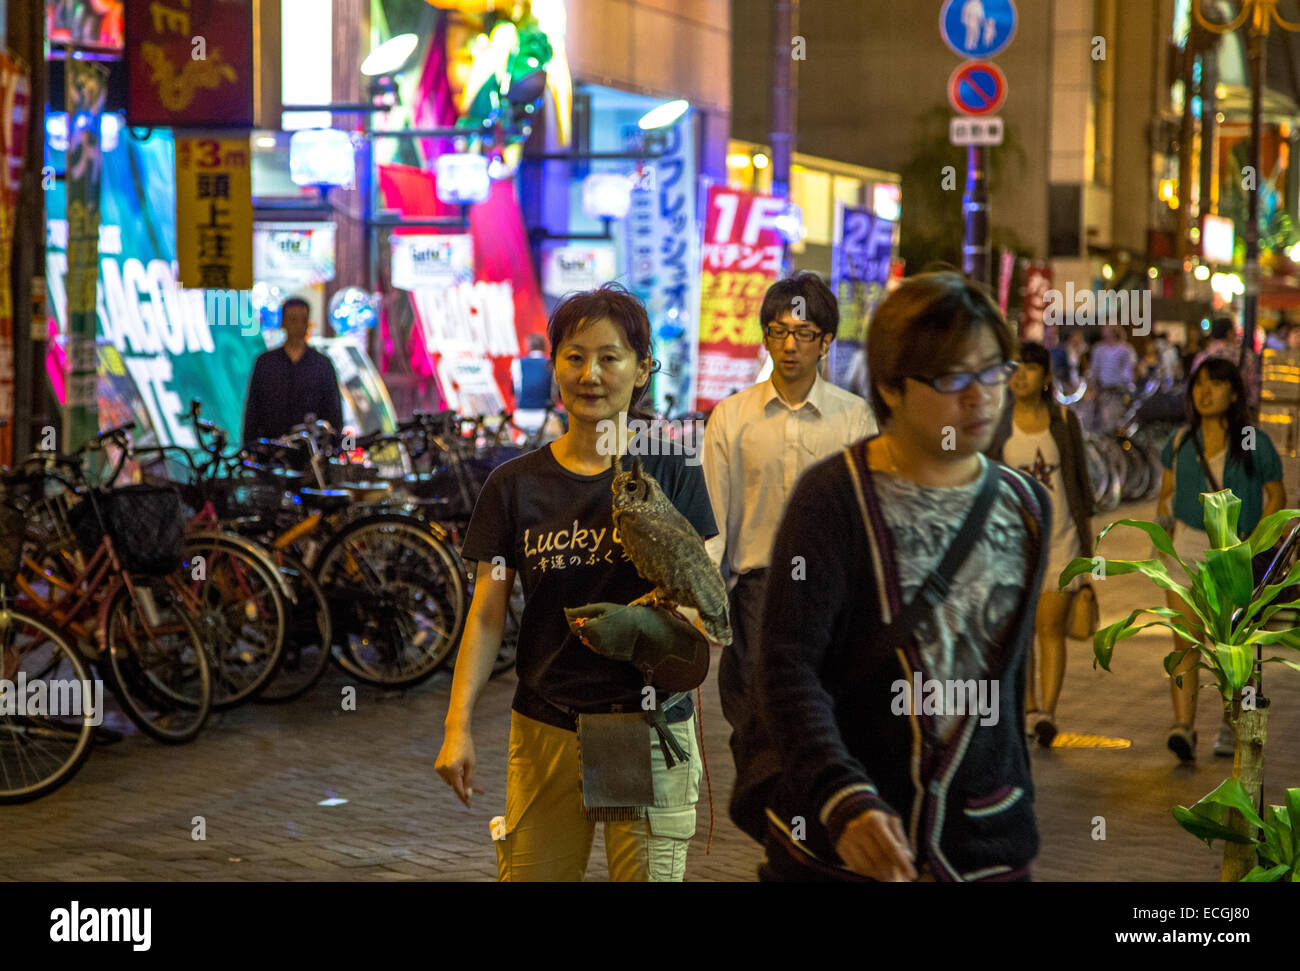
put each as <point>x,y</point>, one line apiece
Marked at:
<point>901,585</point>
<point>756,445</point>
<point>1111,365</point>
<point>1225,342</point>
<point>1217,449</point>
<point>291,382</point>
<point>1043,439</point>
<point>547,516</point>
<point>533,385</point>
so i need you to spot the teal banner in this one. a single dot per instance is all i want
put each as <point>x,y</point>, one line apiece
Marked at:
<point>157,347</point>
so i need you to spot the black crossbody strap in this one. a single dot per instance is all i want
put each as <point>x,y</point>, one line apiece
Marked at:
<point>1205,466</point>
<point>935,588</point>
<point>937,584</point>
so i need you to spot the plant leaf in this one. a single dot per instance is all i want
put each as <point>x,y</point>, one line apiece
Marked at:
<point>1231,572</point>
<point>1230,794</point>
<point>1237,662</point>
<point>1271,875</point>
<point>1270,592</point>
<point>1222,509</point>
<point>1205,828</point>
<point>1268,529</point>
<point>1103,642</point>
<point>1157,533</point>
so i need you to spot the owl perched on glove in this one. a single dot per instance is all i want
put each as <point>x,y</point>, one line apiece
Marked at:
<point>667,551</point>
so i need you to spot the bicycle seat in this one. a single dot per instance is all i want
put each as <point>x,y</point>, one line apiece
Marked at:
<point>326,500</point>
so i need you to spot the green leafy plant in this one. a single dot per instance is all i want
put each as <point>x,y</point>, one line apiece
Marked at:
<point>1221,596</point>
<point>1207,820</point>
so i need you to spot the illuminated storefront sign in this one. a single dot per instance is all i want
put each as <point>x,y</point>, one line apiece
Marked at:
<point>569,268</point>
<point>433,261</point>
<point>741,259</point>
<point>190,65</point>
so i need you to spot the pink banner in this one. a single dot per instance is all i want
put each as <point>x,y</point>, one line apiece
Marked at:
<point>465,326</point>
<point>741,259</point>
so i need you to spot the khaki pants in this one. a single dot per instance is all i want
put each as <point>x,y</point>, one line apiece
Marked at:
<point>547,837</point>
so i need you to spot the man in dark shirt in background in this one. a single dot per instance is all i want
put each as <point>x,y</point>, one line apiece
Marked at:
<point>291,382</point>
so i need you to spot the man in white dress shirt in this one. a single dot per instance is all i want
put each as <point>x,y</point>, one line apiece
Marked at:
<point>757,443</point>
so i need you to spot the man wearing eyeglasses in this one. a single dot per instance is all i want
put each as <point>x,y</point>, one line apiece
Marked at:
<point>756,444</point>
<point>906,578</point>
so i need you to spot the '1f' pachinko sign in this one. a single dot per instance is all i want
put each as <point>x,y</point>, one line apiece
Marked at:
<point>190,65</point>
<point>741,259</point>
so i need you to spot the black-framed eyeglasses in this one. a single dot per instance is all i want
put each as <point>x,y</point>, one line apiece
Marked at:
<point>779,332</point>
<point>956,381</point>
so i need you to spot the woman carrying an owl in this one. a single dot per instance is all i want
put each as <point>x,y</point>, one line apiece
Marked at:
<point>548,516</point>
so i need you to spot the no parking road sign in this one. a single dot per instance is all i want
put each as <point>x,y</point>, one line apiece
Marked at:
<point>978,28</point>
<point>977,88</point>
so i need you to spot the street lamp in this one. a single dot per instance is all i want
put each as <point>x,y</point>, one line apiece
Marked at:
<point>1261,14</point>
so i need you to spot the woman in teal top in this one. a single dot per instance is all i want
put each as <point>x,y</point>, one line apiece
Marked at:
<point>1240,457</point>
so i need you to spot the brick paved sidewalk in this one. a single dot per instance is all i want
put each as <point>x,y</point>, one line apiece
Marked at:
<point>257,775</point>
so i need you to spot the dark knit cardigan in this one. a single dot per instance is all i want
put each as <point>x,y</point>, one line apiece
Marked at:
<point>825,694</point>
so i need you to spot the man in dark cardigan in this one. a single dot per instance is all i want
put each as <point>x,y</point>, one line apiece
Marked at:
<point>911,763</point>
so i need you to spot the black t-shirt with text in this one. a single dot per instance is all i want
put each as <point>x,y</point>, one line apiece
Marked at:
<point>556,528</point>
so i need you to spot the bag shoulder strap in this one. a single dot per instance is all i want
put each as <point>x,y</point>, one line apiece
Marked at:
<point>936,585</point>
<point>1205,466</point>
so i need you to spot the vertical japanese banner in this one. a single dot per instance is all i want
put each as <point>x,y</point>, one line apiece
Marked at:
<point>740,259</point>
<point>14,107</point>
<point>87,86</point>
<point>214,213</point>
<point>860,268</point>
<point>661,227</point>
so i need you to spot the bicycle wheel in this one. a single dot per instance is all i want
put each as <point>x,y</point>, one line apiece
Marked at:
<point>1137,473</point>
<point>397,598</point>
<point>41,750</point>
<point>235,595</point>
<point>307,644</point>
<point>159,667</point>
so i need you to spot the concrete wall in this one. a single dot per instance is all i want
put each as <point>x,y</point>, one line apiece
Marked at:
<point>664,48</point>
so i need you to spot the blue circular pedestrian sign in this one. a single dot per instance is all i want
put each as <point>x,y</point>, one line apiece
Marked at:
<point>977,88</point>
<point>978,28</point>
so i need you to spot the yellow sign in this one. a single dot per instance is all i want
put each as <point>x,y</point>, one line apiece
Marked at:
<point>214,213</point>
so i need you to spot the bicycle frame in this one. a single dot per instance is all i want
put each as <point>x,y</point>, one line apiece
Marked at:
<point>95,585</point>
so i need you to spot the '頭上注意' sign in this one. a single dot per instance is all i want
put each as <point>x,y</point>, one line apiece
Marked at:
<point>214,213</point>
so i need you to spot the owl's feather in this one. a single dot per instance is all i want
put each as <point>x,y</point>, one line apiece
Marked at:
<point>666,549</point>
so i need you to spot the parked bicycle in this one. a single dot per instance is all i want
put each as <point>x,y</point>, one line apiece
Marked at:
<point>96,565</point>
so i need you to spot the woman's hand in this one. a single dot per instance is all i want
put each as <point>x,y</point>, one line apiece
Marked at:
<point>456,763</point>
<point>874,845</point>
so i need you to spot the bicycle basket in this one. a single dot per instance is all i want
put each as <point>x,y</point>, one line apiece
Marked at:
<point>144,522</point>
<point>246,497</point>
<point>12,524</point>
